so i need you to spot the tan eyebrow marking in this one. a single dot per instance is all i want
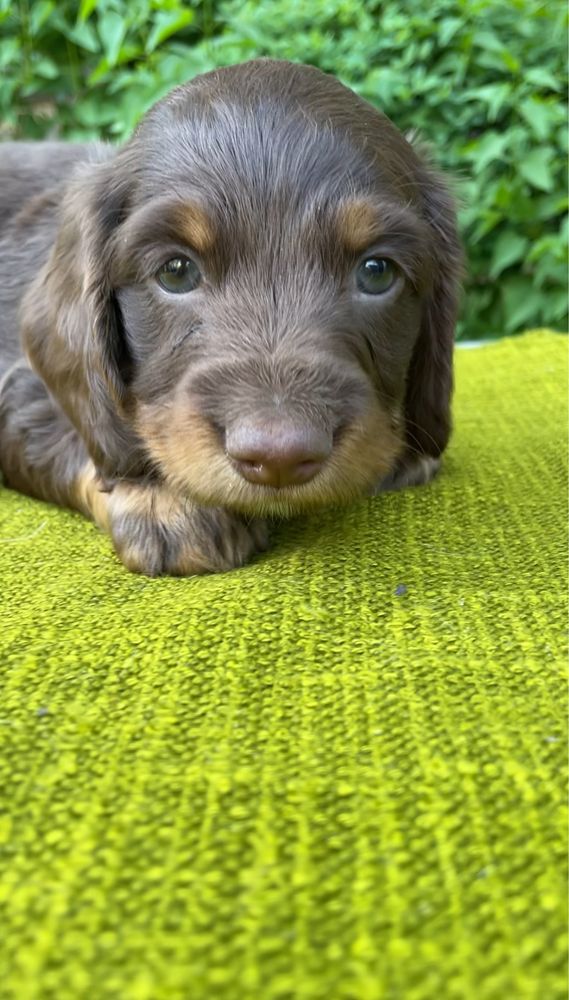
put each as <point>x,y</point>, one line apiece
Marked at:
<point>194,226</point>
<point>358,224</point>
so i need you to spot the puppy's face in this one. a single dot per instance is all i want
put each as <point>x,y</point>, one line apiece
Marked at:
<point>270,272</point>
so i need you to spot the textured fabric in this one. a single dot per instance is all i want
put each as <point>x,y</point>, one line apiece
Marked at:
<point>336,774</point>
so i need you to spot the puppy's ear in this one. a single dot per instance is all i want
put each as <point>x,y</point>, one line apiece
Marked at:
<point>71,322</point>
<point>430,376</point>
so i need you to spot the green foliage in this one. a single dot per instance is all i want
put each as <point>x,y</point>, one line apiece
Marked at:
<point>483,81</point>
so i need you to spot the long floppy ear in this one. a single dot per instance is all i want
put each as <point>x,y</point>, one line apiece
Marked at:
<point>71,323</point>
<point>430,375</point>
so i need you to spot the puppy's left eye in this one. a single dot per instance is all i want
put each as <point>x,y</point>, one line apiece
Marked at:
<point>375,275</point>
<point>179,275</point>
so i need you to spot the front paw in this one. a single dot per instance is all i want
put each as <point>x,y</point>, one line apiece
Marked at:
<point>411,470</point>
<point>157,533</point>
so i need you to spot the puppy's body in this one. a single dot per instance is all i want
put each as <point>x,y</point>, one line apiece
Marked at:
<point>247,310</point>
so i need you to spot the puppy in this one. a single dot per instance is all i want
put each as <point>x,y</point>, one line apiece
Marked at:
<point>246,311</point>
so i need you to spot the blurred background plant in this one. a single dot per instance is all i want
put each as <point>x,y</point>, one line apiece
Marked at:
<point>483,81</point>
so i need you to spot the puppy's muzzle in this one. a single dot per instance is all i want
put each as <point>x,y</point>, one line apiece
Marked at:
<point>277,454</point>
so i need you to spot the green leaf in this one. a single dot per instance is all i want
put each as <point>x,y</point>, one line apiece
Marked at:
<point>383,85</point>
<point>9,51</point>
<point>39,14</point>
<point>486,224</point>
<point>543,246</point>
<point>488,149</point>
<point>549,206</point>
<point>167,23</point>
<point>557,308</point>
<point>512,198</point>
<point>535,168</point>
<point>46,68</point>
<point>539,116</point>
<point>92,112</point>
<point>448,29</point>
<point>509,248</point>
<point>550,273</point>
<point>493,61</point>
<point>488,42</point>
<point>86,9</point>
<point>85,36</point>
<point>521,303</point>
<point>112,29</point>
<point>541,77</point>
<point>493,95</point>
<point>511,62</point>
<point>99,73</point>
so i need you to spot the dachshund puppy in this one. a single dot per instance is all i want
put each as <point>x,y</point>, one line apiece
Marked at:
<point>246,311</point>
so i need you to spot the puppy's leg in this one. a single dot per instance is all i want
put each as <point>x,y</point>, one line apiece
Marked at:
<point>156,532</point>
<point>153,531</point>
<point>410,470</point>
<point>40,451</point>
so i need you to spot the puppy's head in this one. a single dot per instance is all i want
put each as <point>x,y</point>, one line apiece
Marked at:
<point>272,277</point>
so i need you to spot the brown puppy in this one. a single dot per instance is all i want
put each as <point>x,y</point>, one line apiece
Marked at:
<point>246,311</point>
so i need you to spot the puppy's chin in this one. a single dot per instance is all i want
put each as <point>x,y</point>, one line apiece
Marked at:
<point>266,501</point>
<point>189,453</point>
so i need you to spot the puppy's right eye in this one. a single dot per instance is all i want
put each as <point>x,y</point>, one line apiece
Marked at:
<point>375,275</point>
<point>179,275</point>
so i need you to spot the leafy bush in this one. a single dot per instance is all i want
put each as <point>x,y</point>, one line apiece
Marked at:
<point>484,81</point>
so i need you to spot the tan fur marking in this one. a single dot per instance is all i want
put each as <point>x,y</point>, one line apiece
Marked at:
<point>194,463</point>
<point>89,498</point>
<point>358,224</point>
<point>194,226</point>
<point>155,531</point>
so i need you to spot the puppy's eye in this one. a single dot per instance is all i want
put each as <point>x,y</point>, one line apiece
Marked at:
<point>375,275</point>
<point>179,275</point>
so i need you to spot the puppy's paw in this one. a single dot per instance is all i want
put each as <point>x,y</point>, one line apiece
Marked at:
<point>157,533</point>
<point>411,470</point>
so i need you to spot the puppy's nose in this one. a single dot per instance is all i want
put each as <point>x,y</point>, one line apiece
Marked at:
<point>277,455</point>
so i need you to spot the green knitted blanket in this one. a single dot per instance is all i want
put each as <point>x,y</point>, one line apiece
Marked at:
<point>336,774</point>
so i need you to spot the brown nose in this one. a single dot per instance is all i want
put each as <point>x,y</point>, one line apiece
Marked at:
<point>277,455</point>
